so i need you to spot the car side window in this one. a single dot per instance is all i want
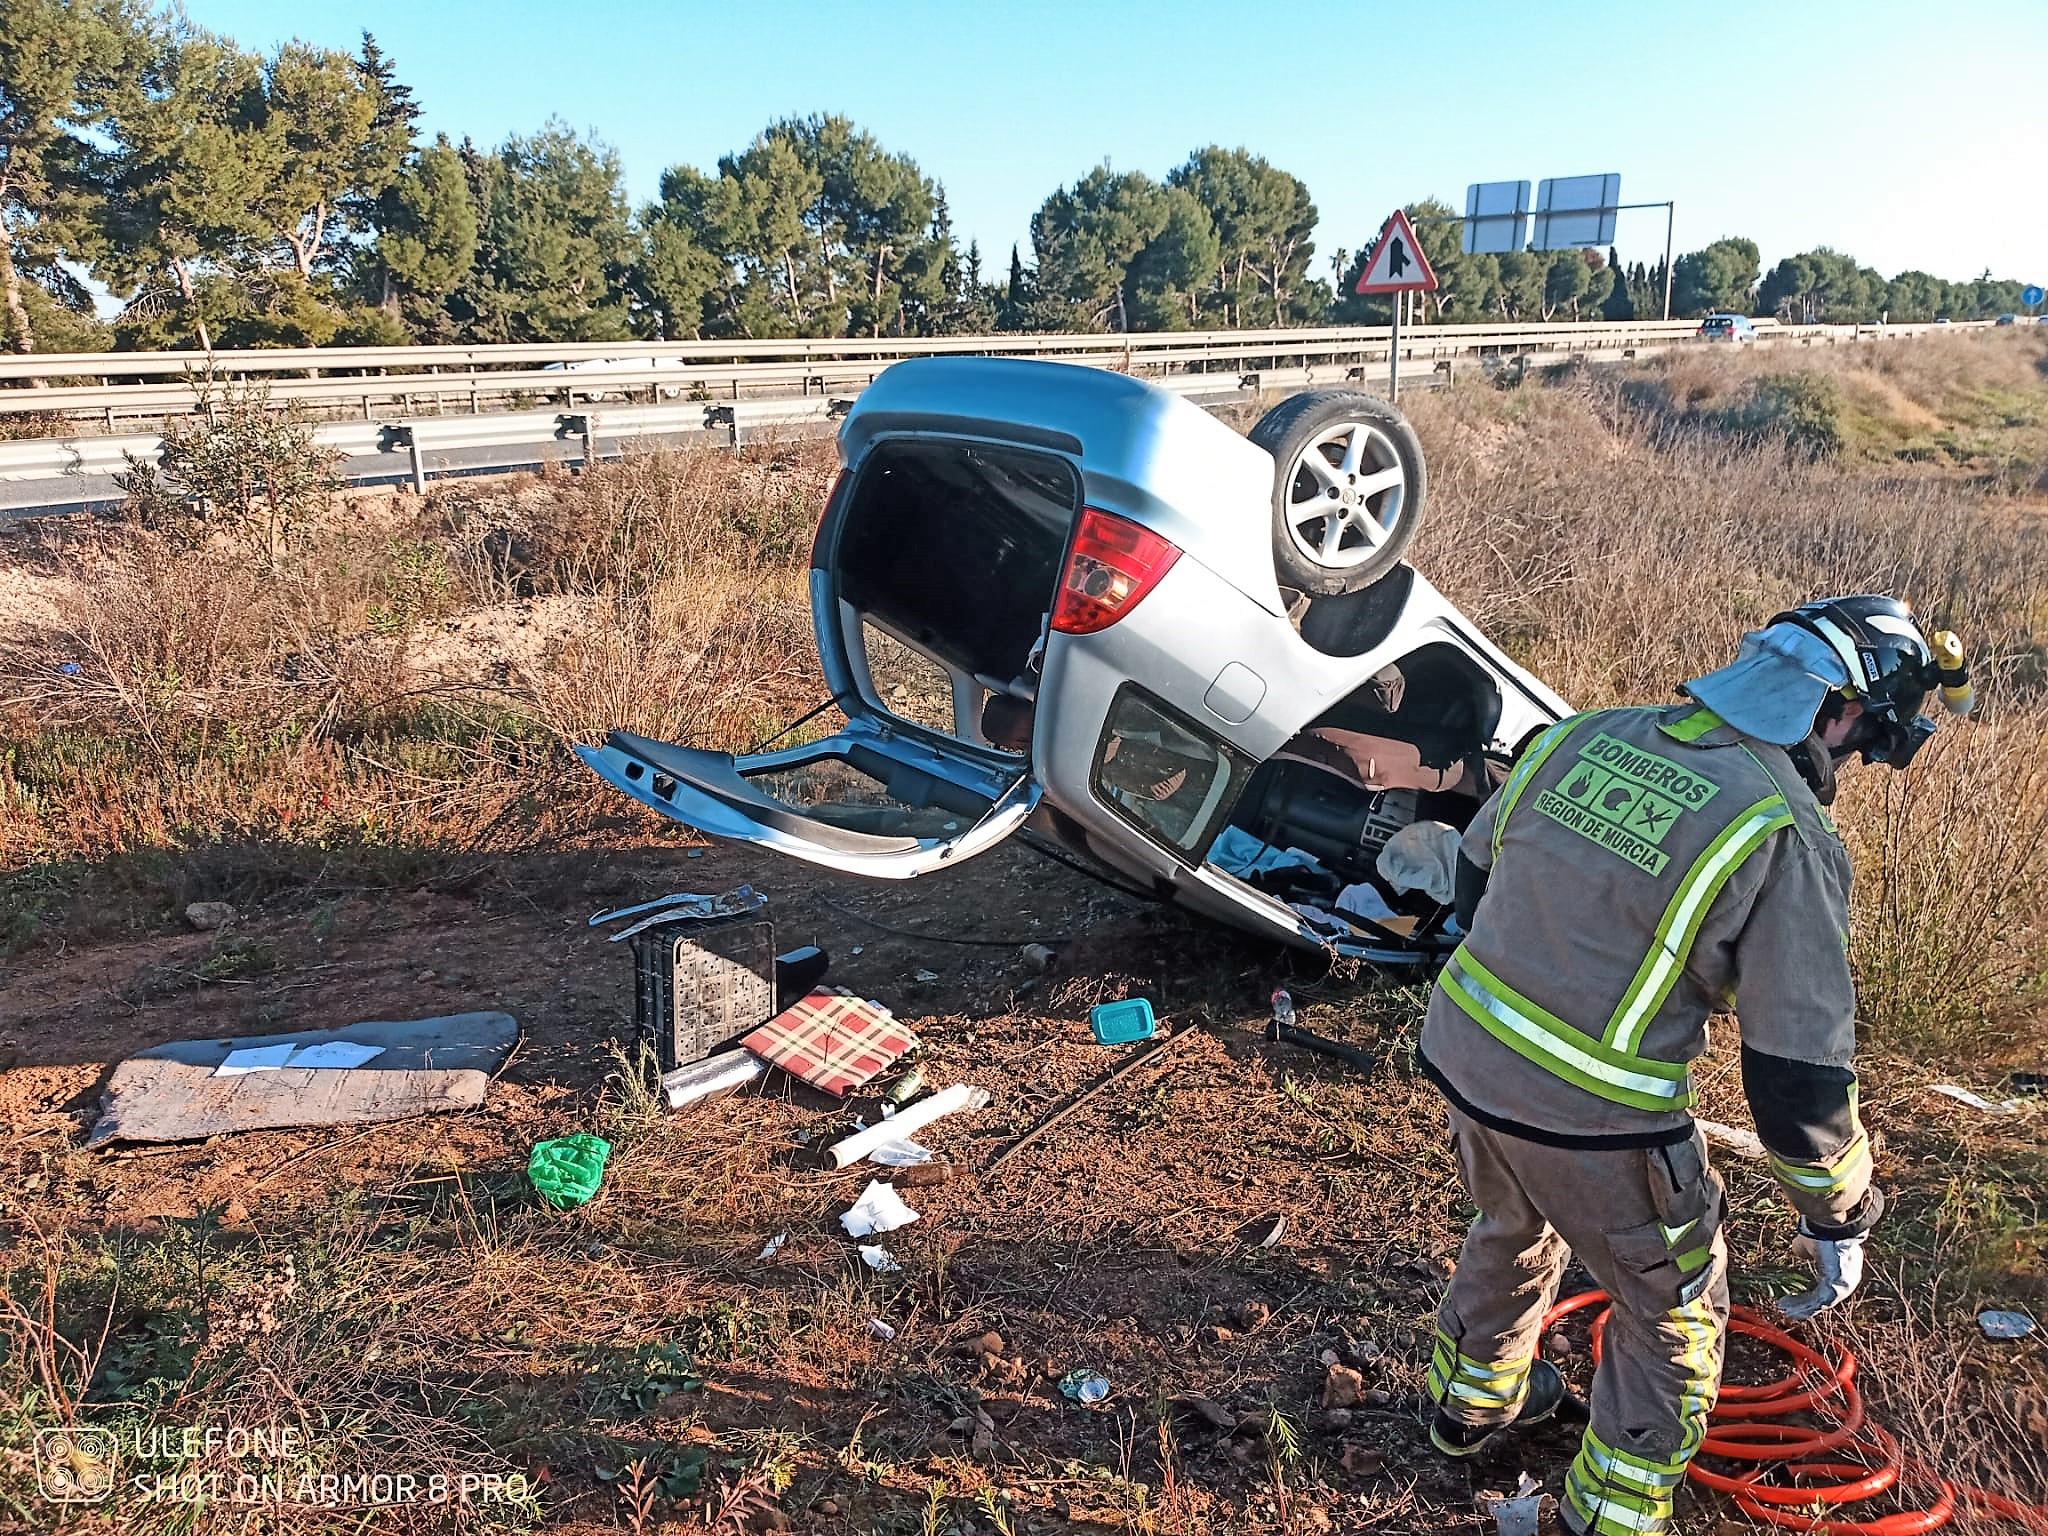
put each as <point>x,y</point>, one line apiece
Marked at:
<point>1169,779</point>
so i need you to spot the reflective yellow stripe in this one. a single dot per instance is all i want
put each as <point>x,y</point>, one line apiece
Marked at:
<point>1682,918</point>
<point>1542,1037</point>
<point>1525,770</point>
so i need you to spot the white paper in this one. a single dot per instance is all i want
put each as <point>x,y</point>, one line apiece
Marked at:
<point>1975,1101</point>
<point>877,1258</point>
<point>879,1209</point>
<point>335,1053</point>
<point>900,1154</point>
<point>774,1245</point>
<point>254,1058</point>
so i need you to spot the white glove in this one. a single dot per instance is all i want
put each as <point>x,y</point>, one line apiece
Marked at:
<point>1841,1271</point>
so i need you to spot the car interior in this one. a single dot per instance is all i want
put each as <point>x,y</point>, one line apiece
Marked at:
<point>1408,748</point>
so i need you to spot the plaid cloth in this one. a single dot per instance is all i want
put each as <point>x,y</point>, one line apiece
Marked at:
<point>832,1040</point>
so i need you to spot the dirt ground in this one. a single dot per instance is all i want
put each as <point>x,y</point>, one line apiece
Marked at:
<point>1127,1240</point>
<point>1124,1240</point>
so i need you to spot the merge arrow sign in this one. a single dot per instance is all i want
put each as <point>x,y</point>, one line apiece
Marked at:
<point>1397,265</point>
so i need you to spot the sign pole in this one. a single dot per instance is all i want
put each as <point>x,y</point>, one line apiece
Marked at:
<point>1394,353</point>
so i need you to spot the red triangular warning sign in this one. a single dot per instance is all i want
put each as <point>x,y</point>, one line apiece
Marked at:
<point>1397,265</point>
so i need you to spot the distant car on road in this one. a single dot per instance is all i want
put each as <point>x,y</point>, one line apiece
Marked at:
<point>2008,320</point>
<point>1734,328</point>
<point>1943,320</point>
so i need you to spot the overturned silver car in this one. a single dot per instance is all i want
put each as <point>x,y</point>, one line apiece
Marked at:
<point>1059,597</point>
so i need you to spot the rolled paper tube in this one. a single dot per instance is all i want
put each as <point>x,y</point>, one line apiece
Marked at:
<point>899,1126</point>
<point>712,1076</point>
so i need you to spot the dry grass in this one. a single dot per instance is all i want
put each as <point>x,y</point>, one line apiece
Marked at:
<point>1977,401</point>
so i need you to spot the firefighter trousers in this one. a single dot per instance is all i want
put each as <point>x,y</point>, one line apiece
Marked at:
<point>1646,1223</point>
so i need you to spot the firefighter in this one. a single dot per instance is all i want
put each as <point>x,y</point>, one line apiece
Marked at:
<point>1636,868</point>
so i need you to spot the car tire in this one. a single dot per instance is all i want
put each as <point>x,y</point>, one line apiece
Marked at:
<point>1371,477</point>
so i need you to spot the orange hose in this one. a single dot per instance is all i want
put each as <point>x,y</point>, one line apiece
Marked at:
<point>1747,1425</point>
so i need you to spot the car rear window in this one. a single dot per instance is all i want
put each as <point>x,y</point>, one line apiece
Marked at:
<point>1172,781</point>
<point>956,547</point>
<point>1719,323</point>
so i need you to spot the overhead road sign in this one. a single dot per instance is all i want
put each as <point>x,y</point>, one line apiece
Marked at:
<point>1576,211</point>
<point>1496,217</point>
<point>1397,265</point>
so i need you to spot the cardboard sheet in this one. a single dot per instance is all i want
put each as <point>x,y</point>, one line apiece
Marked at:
<point>176,1091</point>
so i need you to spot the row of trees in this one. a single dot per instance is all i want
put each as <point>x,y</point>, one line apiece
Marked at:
<point>225,198</point>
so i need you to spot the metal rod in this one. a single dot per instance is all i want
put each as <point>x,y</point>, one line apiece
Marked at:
<point>1394,352</point>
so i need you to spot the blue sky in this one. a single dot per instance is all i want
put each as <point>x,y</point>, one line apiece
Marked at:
<point>1909,134</point>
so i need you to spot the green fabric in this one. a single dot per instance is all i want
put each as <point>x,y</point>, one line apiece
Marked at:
<point>567,1170</point>
<point>1693,726</point>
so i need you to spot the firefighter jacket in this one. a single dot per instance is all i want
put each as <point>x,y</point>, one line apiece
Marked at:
<point>1645,868</point>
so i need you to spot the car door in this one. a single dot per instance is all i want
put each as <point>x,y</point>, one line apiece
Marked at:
<point>869,799</point>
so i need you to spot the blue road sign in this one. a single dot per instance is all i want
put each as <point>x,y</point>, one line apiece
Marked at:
<point>2033,295</point>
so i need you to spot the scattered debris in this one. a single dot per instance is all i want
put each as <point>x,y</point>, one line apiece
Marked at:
<point>922,1175</point>
<point>255,1058</point>
<point>1975,1101</point>
<point>1208,1410</point>
<point>206,916</point>
<point>1122,1022</point>
<point>1362,1460</point>
<point>774,1245</point>
<point>711,1077</point>
<point>1557,1347</point>
<point>1282,1030</point>
<point>900,1090</point>
<point>1266,1232</point>
<point>900,1154</point>
<point>1252,1314</point>
<point>1082,1385</point>
<point>2005,1325</point>
<point>680,904</point>
<point>833,1040</point>
<point>878,1259</point>
<point>567,1169</point>
<point>1342,1387</point>
<point>1518,1513</point>
<point>881,1330</point>
<point>924,976</point>
<point>797,973</point>
<point>1041,958</point>
<point>945,1102</point>
<point>1743,1143</point>
<point>177,1092</point>
<point>2029,1082</point>
<point>879,1209</point>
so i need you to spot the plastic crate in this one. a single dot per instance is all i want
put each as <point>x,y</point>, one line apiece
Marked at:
<point>699,983</point>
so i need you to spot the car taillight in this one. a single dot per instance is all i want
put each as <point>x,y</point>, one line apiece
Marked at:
<point>1112,565</point>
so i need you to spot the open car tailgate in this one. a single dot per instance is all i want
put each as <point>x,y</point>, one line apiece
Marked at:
<point>864,800</point>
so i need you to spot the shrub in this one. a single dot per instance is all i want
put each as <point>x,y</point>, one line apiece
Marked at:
<point>251,470</point>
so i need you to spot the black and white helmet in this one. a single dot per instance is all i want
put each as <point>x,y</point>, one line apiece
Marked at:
<point>1891,665</point>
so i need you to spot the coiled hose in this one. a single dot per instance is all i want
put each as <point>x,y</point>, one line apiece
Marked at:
<point>1848,1464</point>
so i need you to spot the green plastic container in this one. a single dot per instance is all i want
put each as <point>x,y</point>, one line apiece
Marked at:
<point>1121,1022</point>
<point>568,1169</point>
